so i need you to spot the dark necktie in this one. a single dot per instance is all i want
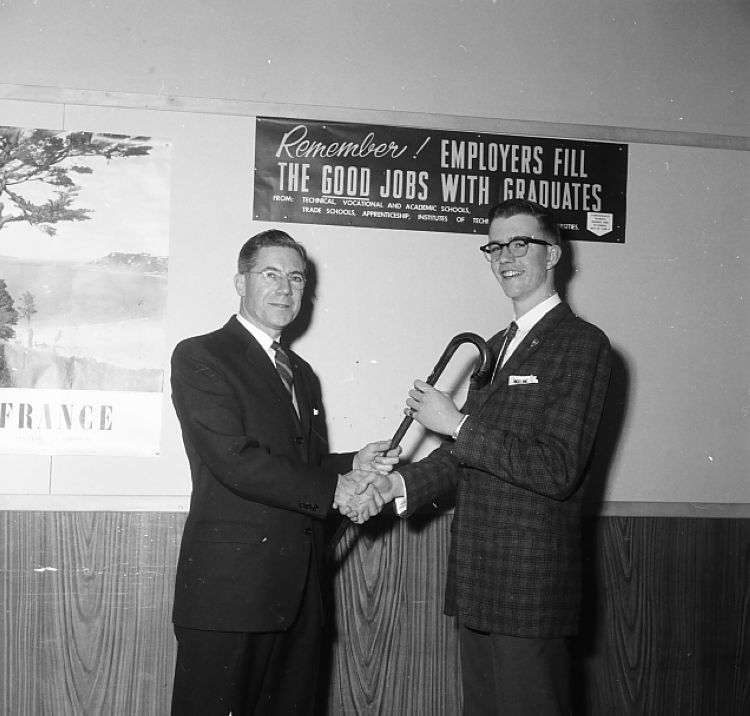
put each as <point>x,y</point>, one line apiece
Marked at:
<point>510,334</point>
<point>283,365</point>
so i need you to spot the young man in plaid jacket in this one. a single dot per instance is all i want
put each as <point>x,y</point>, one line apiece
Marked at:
<point>515,455</point>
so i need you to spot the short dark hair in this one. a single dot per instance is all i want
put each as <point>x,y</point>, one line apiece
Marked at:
<point>270,237</point>
<point>515,207</point>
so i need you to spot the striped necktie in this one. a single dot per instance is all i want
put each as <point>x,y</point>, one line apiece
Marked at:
<point>283,366</point>
<point>510,334</point>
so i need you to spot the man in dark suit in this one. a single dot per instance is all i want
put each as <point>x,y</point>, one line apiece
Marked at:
<point>247,609</point>
<point>516,454</point>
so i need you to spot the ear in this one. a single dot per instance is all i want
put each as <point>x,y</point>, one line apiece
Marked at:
<point>239,284</point>
<point>554,253</point>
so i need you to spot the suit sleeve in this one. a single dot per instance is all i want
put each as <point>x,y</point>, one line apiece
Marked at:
<point>244,447</point>
<point>544,446</point>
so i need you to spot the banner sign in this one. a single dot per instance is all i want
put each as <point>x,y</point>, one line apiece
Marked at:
<point>344,174</point>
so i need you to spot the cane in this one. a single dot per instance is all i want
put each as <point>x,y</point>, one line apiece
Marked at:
<point>478,378</point>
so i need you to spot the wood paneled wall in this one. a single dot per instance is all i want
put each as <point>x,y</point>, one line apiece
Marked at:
<point>85,625</point>
<point>85,629</point>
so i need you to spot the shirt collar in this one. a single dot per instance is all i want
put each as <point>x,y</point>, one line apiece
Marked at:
<point>529,319</point>
<point>263,338</point>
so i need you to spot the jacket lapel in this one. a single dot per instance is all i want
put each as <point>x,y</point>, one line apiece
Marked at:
<point>259,362</point>
<point>256,357</point>
<point>529,345</point>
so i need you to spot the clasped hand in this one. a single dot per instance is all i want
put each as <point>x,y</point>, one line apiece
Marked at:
<point>357,496</point>
<point>362,493</point>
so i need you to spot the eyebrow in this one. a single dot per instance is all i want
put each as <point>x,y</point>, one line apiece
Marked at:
<point>516,237</point>
<point>301,272</point>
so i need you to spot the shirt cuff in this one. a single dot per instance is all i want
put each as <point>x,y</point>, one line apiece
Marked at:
<point>400,503</point>
<point>457,430</point>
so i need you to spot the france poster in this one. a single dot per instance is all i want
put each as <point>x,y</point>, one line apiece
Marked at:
<point>84,246</point>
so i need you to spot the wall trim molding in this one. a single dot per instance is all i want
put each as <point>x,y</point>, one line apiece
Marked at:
<point>180,503</point>
<point>669,509</point>
<point>204,105</point>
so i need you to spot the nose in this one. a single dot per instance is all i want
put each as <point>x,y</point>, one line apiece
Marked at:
<point>283,284</point>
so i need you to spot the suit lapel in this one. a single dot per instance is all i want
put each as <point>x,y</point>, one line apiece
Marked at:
<point>259,363</point>
<point>529,345</point>
<point>256,357</point>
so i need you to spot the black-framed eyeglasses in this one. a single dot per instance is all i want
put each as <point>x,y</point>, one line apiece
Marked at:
<point>517,247</point>
<point>296,279</point>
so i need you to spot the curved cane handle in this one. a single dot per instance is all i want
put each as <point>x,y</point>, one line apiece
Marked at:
<point>479,377</point>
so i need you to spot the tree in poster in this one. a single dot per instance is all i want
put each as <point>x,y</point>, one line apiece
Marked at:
<point>8,313</point>
<point>8,319</point>
<point>37,170</point>
<point>26,309</point>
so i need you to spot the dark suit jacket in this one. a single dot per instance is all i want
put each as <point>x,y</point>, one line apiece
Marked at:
<point>517,467</point>
<point>262,483</point>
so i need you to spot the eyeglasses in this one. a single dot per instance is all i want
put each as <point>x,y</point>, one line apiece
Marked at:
<point>274,278</point>
<point>517,247</point>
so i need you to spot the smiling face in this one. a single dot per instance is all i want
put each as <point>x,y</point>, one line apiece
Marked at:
<point>527,280</point>
<point>270,305</point>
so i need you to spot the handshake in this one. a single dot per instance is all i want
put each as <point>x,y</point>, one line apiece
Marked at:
<point>362,493</point>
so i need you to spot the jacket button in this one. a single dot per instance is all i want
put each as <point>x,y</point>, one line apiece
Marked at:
<point>299,440</point>
<point>308,531</point>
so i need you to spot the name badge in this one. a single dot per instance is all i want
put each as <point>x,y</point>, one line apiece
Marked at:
<point>522,379</point>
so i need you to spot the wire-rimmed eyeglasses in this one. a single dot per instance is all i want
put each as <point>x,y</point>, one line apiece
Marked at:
<point>517,247</point>
<point>296,279</point>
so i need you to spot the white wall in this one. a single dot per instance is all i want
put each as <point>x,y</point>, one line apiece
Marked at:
<point>673,64</point>
<point>673,298</point>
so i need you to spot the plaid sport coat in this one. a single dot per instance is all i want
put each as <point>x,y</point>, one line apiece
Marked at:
<point>517,468</point>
